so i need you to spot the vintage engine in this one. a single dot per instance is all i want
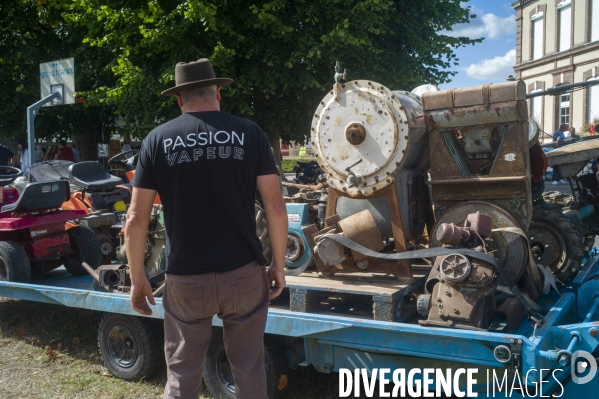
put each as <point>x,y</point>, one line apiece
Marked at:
<point>372,144</point>
<point>460,289</point>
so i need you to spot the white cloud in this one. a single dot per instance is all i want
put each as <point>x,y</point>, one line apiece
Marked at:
<point>489,26</point>
<point>495,69</point>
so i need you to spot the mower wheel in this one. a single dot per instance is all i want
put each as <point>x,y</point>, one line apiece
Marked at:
<point>14,263</point>
<point>86,248</point>
<point>130,346</point>
<point>218,376</point>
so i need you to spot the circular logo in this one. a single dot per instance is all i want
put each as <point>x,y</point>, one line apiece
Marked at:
<point>579,367</point>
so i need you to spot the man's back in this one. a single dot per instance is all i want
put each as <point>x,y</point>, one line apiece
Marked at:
<point>66,154</point>
<point>204,166</point>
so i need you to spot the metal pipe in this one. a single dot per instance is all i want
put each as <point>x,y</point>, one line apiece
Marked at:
<point>573,342</point>
<point>309,187</point>
<point>31,113</point>
<point>91,271</point>
<point>159,290</point>
<point>559,89</point>
<point>592,311</point>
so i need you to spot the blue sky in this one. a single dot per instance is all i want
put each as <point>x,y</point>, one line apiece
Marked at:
<point>492,60</point>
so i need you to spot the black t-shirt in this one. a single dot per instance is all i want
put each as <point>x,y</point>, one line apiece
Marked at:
<point>204,166</point>
<point>5,155</point>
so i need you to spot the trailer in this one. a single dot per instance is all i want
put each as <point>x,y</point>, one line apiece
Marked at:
<point>342,341</point>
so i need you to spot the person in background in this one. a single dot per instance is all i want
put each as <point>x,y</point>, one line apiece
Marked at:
<point>39,154</point>
<point>75,153</point>
<point>572,134</point>
<point>559,136</point>
<point>7,157</point>
<point>126,143</point>
<point>64,153</point>
<point>24,158</point>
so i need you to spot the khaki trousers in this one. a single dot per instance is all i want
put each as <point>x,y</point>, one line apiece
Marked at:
<point>240,298</point>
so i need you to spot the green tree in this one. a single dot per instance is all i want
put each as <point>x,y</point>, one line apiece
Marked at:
<point>32,32</point>
<point>281,53</point>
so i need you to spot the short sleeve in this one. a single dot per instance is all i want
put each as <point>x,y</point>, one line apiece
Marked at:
<point>144,177</point>
<point>266,162</point>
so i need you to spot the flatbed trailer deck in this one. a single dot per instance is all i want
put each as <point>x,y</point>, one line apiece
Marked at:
<point>332,342</point>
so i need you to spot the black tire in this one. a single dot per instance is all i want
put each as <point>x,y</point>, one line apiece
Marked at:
<point>130,346</point>
<point>14,263</point>
<point>556,242</point>
<point>217,371</point>
<point>262,231</point>
<point>86,248</point>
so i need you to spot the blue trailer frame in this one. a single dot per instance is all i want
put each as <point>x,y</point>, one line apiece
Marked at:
<point>331,343</point>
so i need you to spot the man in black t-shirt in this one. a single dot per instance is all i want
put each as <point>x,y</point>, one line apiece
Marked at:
<point>206,165</point>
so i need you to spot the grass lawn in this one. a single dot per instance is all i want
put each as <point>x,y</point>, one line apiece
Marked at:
<point>50,351</point>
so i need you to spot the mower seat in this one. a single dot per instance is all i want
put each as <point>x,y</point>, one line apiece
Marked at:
<point>39,196</point>
<point>92,176</point>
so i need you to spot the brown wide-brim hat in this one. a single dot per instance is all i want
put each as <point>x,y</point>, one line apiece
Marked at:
<point>193,75</point>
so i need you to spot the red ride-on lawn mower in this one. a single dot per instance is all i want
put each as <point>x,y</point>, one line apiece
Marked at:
<point>33,238</point>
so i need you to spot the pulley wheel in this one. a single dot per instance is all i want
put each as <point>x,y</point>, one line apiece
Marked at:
<point>512,251</point>
<point>455,268</point>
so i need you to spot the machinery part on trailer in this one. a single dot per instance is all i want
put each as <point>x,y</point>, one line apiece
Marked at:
<point>107,247</point>
<point>360,228</point>
<point>569,160</point>
<point>295,248</point>
<point>218,376</point>
<point>423,304</point>
<point>14,263</point>
<point>512,249</point>
<point>366,121</point>
<point>262,231</point>
<point>433,252</point>
<point>462,288</point>
<point>130,346</point>
<point>555,242</point>
<point>86,248</point>
<point>478,135</point>
<point>92,272</point>
<point>533,132</point>
<point>502,353</point>
<point>455,268</point>
<point>425,88</point>
<point>113,275</point>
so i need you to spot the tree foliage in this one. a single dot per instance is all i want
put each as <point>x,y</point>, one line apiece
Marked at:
<point>280,53</point>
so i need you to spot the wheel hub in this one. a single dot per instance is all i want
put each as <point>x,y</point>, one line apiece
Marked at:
<point>547,245</point>
<point>122,346</point>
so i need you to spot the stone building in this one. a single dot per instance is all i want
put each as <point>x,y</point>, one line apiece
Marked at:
<point>557,42</point>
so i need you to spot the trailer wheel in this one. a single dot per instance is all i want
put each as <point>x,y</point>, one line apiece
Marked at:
<point>262,231</point>
<point>555,242</point>
<point>130,346</point>
<point>219,378</point>
<point>14,263</point>
<point>86,248</point>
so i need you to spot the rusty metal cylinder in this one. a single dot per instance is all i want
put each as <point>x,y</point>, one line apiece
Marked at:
<point>362,229</point>
<point>450,234</point>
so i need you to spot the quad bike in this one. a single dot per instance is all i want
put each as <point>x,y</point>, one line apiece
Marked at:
<point>33,237</point>
<point>93,190</point>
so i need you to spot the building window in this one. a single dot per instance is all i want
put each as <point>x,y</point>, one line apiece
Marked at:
<point>593,101</point>
<point>536,108</point>
<point>564,109</point>
<point>537,36</point>
<point>594,20</point>
<point>565,24</point>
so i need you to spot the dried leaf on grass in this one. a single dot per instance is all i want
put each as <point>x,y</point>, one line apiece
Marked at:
<point>35,342</point>
<point>283,380</point>
<point>21,332</point>
<point>51,354</point>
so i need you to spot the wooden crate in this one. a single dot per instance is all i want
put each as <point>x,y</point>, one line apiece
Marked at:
<point>378,297</point>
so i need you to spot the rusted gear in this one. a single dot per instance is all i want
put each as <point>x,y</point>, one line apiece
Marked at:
<point>355,133</point>
<point>455,268</point>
